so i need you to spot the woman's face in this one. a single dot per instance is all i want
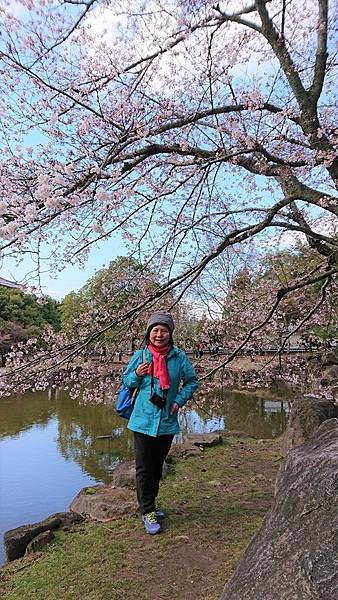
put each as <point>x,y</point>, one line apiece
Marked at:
<point>159,336</point>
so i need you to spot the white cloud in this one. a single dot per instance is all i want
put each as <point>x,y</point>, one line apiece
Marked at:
<point>326,225</point>
<point>130,37</point>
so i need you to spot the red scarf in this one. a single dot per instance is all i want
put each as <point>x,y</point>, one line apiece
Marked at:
<point>158,366</point>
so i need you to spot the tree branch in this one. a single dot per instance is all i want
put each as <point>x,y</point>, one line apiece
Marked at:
<point>281,293</point>
<point>315,89</point>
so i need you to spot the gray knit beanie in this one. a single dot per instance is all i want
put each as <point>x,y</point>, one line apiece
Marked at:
<point>161,317</point>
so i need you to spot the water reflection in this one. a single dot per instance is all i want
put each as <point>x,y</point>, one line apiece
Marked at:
<point>251,413</point>
<point>79,437</point>
<point>198,421</point>
<point>78,429</point>
<point>21,412</point>
<point>81,430</point>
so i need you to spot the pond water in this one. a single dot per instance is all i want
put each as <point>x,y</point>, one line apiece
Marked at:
<point>50,446</point>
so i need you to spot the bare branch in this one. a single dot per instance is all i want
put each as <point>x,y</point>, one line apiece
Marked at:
<point>76,24</point>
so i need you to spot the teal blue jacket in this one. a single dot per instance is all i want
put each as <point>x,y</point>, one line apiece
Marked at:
<point>146,417</point>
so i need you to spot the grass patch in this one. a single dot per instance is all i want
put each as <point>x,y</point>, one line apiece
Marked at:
<point>214,503</point>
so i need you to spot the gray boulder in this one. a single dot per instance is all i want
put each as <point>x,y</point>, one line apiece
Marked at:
<point>105,502</point>
<point>204,440</point>
<point>16,540</point>
<point>40,541</point>
<point>124,474</point>
<point>183,450</point>
<point>193,445</point>
<point>306,416</point>
<point>294,555</point>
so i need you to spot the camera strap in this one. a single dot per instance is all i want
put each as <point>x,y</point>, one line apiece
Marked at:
<point>164,392</point>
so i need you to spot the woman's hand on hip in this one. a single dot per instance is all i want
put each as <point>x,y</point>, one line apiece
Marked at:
<point>175,408</point>
<point>142,369</point>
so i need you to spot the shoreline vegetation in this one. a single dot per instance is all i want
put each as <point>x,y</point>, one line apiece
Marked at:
<point>215,502</point>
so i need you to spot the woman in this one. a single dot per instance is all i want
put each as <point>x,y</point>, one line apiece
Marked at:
<point>154,418</point>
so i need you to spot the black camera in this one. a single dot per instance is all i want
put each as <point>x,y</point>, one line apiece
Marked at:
<point>158,400</point>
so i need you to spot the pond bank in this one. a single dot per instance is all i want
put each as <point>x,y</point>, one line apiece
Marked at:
<point>214,501</point>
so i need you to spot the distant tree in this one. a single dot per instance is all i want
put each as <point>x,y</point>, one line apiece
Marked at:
<point>188,326</point>
<point>242,282</point>
<point>70,310</point>
<point>27,309</point>
<point>305,310</point>
<point>22,317</point>
<point>318,300</point>
<point>104,297</point>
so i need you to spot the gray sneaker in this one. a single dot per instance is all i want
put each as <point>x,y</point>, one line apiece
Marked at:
<point>151,524</point>
<point>160,513</point>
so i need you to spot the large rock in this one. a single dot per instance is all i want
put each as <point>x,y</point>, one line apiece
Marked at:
<point>194,444</point>
<point>204,440</point>
<point>294,555</point>
<point>124,474</point>
<point>183,450</point>
<point>16,540</point>
<point>105,502</point>
<point>306,416</point>
<point>329,377</point>
<point>39,542</point>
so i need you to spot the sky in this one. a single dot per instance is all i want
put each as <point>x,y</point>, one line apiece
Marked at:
<point>71,278</point>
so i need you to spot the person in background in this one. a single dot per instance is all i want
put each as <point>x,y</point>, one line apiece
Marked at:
<point>166,380</point>
<point>200,349</point>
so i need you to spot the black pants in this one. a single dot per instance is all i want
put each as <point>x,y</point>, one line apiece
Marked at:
<point>150,454</point>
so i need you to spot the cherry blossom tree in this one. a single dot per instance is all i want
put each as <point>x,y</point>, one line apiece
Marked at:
<point>194,129</point>
<point>105,297</point>
<point>294,320</point>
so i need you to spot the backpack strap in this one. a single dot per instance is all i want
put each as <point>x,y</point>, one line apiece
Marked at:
<point>143,360</point>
